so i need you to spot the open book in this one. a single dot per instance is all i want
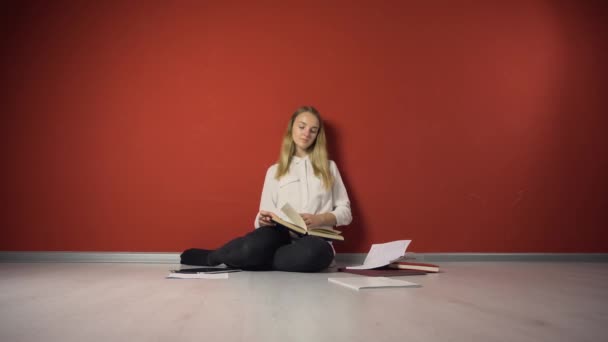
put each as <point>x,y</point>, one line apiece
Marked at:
<point>298,226</point>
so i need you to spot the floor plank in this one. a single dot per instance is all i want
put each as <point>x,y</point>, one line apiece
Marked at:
<point>468,301</point>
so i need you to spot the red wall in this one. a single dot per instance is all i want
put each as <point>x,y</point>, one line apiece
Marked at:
<point>467,126</point>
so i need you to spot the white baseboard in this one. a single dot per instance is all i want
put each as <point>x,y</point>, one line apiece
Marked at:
<point>343,258</point>
<point>135,257</point>
<point>447,257</point>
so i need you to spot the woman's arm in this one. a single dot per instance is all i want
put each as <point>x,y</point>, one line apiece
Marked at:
<point>319,220</point>
<point>341,212</point>
<point>268,199</point>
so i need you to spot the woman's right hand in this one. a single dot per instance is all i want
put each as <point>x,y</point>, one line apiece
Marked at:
<point>266,218</point>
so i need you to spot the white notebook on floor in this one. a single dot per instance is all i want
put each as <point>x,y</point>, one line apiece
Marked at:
<point>197,276</point>
<point>357,283</point>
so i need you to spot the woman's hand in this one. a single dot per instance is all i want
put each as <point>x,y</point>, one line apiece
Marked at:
<point>266,219</point>
<point>312,221</point>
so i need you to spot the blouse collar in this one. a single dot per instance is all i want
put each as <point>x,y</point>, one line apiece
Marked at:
<point>297,159</point>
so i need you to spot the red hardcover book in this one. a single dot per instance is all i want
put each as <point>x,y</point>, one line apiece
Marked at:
<point>418,266</point>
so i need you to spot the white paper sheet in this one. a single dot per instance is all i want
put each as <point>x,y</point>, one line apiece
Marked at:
<point>197,275</point>
<point>382,254</point>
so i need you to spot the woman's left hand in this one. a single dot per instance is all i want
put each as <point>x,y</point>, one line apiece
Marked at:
<point>312,221</point>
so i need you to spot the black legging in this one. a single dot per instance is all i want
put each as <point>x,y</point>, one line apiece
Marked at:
<point>267,248</point>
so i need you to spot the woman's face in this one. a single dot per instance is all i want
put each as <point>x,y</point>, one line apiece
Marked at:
<point>304,131</point>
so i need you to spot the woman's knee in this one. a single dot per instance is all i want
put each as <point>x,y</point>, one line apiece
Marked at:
<point>269,235</point>
<point>308,254</point>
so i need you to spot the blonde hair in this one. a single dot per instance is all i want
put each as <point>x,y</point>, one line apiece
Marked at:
<point>317,152</point>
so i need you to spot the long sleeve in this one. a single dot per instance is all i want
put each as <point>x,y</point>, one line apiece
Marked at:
<point>268,201</point>
<point>341,202</point>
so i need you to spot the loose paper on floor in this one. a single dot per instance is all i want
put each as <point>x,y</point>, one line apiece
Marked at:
<point>382,254</point>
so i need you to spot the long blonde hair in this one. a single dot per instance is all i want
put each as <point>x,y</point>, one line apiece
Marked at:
<point>317,152</point>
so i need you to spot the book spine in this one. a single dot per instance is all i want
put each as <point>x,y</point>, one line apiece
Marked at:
<point>415,267</point>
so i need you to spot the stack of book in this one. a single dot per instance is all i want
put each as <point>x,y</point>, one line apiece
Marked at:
<point>414,266</point>
<point>400,267</point>
<point>385,260</point>
<point>381,277</point>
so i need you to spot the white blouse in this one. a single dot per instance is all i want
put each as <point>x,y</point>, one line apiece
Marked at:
<point>305,192</point>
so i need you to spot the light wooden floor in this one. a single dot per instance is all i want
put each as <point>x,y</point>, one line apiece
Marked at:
<point>483,301</point>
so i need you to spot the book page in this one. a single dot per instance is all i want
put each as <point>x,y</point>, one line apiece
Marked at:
<point>382,254</point>
<point>197,276</point>
<point>326,230</point>
<point>293,216</point>
<point>207,270</point>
